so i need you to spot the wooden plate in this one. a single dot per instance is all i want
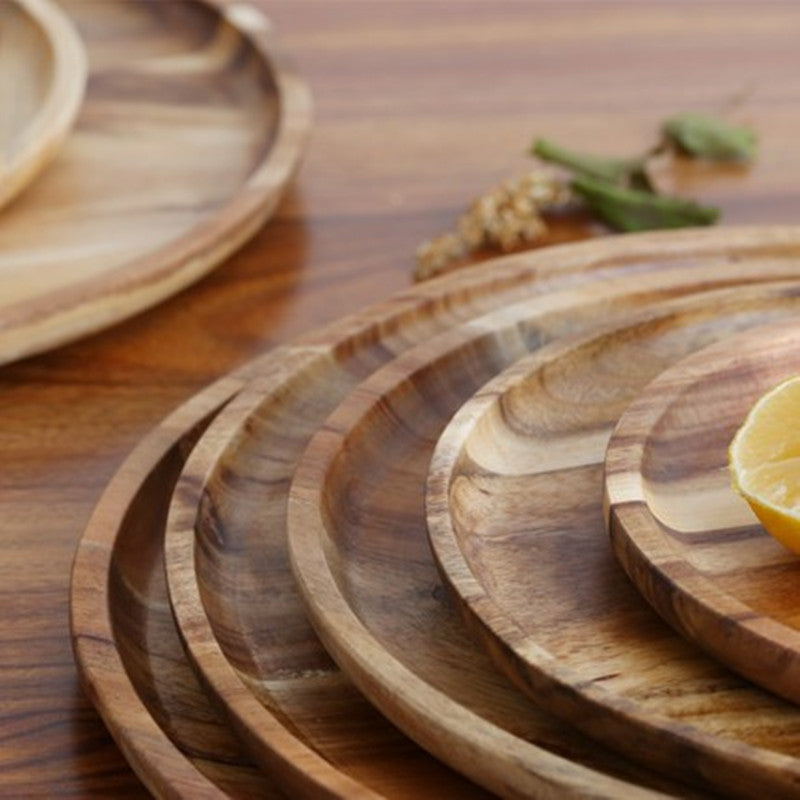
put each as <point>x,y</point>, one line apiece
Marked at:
<point>153,746</point>
<point>515,519</point>
<point>42,80</point>
<point>688,541</point>
<point>191,127</point>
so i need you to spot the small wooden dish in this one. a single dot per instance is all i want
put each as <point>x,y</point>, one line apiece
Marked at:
<point>515,520</point>
<point>191,127</point>
<point>43,71</point>
<point>686,539</point>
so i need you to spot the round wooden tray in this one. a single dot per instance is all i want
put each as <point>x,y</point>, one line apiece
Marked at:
<point>150,735</point>
<point>191,127</point>
<point>43,72</point>
<point>685,537</point>
<point>515,519</point>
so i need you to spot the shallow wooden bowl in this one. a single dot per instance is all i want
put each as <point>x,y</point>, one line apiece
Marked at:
<point>685,537</point>
<point>515,519</point>
<point>43,71</point>
<point>191,127</point>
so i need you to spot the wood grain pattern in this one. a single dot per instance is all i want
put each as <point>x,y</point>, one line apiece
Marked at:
<point>43,71</point>
<point>191,128</point>
<point>399,145</point>
<point>234,599</point>
<point>515,519</point>
<point>683,535</point>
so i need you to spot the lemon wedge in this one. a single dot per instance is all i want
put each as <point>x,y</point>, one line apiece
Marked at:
<point>764,459</point>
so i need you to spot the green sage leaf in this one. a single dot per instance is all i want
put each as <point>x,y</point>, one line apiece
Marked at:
<point>710,137</point>
<point>636,210</point>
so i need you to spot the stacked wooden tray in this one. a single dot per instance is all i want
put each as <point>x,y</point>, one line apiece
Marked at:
<point>191,126</point>
<point>374,563</point>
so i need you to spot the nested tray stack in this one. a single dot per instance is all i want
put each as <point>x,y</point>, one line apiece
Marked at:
<point>375,562</point>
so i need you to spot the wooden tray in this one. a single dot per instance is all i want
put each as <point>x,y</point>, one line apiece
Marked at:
<point>43,72</point>
<point>146,735</point>
<point>687,540</point>
<point>515,519</point>
<point>191,127</point>
<point>230,586</point>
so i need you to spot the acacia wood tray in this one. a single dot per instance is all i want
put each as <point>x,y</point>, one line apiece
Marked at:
<point>43,71</point>
<point>685,537</point>
<point>515,520</point>
<point>191,126</point>
<point>150,736</point>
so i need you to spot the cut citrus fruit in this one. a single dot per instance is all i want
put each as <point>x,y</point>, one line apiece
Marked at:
<point>765,462</point>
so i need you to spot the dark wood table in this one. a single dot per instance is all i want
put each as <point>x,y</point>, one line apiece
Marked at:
<point>419,107</point>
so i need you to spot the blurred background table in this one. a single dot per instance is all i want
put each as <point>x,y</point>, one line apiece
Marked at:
<point>420,106</point>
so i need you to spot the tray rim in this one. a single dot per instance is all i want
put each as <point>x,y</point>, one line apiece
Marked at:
<point>57,114</point>
<point>163,768</point>
<point>51,319</point>
<point>778,665</point>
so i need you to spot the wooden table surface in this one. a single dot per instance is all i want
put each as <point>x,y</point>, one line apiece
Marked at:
<point>419,106</point>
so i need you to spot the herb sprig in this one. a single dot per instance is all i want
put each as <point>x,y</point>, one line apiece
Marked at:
<point>619,192</point>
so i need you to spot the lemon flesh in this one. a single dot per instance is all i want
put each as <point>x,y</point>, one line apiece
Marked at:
<point>765,462</point>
